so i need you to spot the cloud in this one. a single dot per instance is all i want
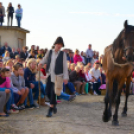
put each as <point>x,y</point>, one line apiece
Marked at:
<point>104,14</point>
<point>91,13</point>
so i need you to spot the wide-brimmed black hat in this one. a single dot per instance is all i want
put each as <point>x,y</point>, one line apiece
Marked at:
<point>59,40</point>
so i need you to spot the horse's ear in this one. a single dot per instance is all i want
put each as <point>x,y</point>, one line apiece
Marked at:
<point>125,24</point>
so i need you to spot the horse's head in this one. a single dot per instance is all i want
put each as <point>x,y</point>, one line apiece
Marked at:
<point>128,42</point>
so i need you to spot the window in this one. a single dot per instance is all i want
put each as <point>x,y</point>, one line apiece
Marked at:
<point>20,43</point>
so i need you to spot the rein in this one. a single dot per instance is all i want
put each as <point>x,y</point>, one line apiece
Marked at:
<point>115,63</point>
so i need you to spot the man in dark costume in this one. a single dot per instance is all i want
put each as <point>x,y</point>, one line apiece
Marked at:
<point>57,72</point>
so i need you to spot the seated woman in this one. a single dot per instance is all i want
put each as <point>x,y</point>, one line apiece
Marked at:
<point>4,92</point>
<point>9,64</point>
<point>6,57</point>
<point>5,83</point>
<point>82,77</point>
<point>75,79</point>
<point>30,80</point>
<point>19,83</point>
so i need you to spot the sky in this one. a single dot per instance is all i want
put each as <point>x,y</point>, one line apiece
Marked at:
<point>79,22</point>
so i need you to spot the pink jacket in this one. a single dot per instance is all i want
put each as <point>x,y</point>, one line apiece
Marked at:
<point>6,84</point>
<point>77,58</point>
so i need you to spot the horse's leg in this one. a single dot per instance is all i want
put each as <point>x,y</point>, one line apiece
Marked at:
<point>124,113</point>
<point>108,99</point>
<point>115,121</point>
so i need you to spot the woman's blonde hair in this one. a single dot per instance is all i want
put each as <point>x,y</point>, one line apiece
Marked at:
<point>77,68</point>
<point>38,60</point>
<point>72,64</point>
<point>28,65</point>
<point>76,51</point>
<point>7,53</point>
<point>17,56</point>
<point>86,67</point>
<point>79,64</point>
<point>9,62</point>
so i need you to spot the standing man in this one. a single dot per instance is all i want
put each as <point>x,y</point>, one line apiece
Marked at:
<point>2,13</point>
<point>10,11</point>
<point>89,53</point>
<point>57,72</point>
<point>19,12</point>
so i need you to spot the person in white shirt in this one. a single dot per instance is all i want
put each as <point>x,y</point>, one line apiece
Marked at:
<point>90,80</point>
<point>89,53</point>
<point>96,74</point>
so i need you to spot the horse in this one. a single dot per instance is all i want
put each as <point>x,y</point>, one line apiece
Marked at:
<point>118,64</point>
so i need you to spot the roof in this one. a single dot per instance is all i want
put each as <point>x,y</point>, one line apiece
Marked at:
<point>14,28</point>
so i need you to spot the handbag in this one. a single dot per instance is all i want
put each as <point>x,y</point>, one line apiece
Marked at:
<point>58,85</point>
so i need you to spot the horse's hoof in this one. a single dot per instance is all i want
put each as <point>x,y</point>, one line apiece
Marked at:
<point>105,118</point>
<point>124,114</point>
<point>115,123</point>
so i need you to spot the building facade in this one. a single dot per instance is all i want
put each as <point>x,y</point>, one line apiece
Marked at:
<point>14,36</point>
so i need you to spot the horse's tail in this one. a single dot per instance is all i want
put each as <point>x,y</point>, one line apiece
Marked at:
<point>115,89</point>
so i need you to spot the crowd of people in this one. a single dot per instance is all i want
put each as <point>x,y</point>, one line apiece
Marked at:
<point>22,82</point>
<point>10,14</point>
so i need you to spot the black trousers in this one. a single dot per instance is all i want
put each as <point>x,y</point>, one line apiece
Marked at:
<point>9,18</point>
<point>50,91</point>
<point>95,87</point>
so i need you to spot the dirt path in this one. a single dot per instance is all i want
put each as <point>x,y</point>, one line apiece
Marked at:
<point>83,116</point>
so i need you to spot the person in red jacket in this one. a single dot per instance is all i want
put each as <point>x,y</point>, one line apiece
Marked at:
<point>77,57</point>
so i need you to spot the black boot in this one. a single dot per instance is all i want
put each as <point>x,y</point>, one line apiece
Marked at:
<point>54,109</point>
<point>50,112</point>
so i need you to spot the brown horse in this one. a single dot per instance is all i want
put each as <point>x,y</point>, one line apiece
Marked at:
<point>117,62</point>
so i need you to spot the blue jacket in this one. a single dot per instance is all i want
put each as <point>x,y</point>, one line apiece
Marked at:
<point>3,49</point>
<point>29,77</point>
<point>72,60</point>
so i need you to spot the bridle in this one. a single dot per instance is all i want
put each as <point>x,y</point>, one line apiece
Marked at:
<point>127,48</point>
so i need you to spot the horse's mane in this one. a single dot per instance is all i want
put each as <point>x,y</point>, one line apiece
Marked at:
<point>117,44</point>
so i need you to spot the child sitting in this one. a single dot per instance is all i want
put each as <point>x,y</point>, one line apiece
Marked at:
<point>19,83</point>
<point>72,67</point>
<point>89,79</point>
